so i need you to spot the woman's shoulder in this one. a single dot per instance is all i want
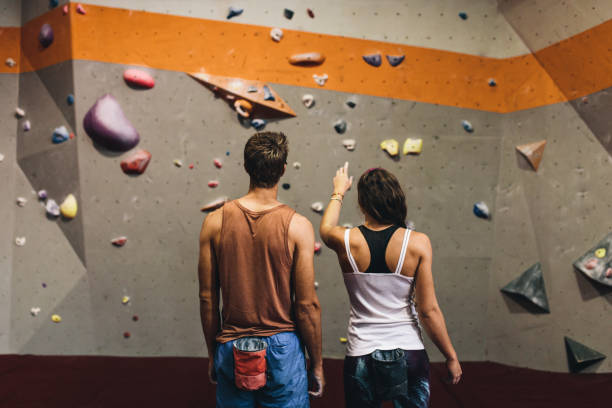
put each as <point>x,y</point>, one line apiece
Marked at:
<point>419,242</point>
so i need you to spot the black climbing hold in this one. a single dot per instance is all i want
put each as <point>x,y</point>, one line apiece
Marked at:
<point>340,126</point>
<point>395,60</point>
<point>530,285</point>
<point>463,15</point>
<point>234,12</point>
<point>53,3</point>
<point>288,14</point>
<point>373,59</point>
<point>351,104</point>
<point>580,356</point>
<point>286,186</point>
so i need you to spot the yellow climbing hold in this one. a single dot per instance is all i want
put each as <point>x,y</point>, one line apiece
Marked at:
<point>69,207</point>
<point>391,146</point>
<point>413,146</point>
<point>56,318</point>
<point>343,340</point>
<point>125,300</point>
<point>600,253</point>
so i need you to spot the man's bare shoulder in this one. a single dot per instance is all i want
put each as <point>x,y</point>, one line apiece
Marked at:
<point>211,225</point>
<point>300,226</point>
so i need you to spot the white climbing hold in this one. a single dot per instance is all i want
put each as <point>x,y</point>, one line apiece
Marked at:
<point>42,194</point>
<point>20,241</point>
<point>349,144</point>
<point>467,126</point>
<point>316,285</point>
<point>52,208</point>
<point>35,311</point>
<point>320,79</point>
<point>27,125</point>
<point>347,225</point>
<point>317,207</point>
<point>297,165</point>
<point>178,163</point>
<point>21,201</point>
<point>1,157</point>
<point>410,225</point>
<point>276,34</point>
<point>10,62</point>
<point>308,101</point>
<point>481,210</point>
<point>19,112</point>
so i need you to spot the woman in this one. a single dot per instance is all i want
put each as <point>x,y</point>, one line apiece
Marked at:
<point>386,269</point>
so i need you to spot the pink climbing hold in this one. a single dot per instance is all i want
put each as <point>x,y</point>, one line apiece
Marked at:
<point>80,9</point>
<point>591,263</point>
<point>136,163</point>
<point>119,241</point>
<point>65,9</point>
<point>609,273</point>
<point>191,166</point>
<point>138,78</point>
<point>317,247</point>
<point>218,163</point>
<point>213,183</point>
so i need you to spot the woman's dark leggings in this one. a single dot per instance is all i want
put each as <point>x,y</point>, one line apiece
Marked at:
<point>359,383</point>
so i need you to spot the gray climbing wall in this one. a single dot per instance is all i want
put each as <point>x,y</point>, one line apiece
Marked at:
<point>551,216</point>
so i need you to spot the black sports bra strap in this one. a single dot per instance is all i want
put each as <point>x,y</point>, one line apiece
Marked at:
<point>377,244</point>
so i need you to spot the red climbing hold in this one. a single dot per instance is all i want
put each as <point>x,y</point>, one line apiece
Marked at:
<point>213,183</point>
<point>136,163</point>
<point>119,241</point>
<point>317,247</point>
<point>135,318</point>
<point>218,163</point>
<point>310,13</point>
<point>138,78</point>
<point>126,335</point>
<point>191,166</point>
<point>72,135</point>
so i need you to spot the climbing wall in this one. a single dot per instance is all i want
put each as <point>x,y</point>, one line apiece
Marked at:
<point>141,299</point>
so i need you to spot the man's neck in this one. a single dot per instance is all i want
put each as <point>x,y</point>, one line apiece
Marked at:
<point>259,198</point>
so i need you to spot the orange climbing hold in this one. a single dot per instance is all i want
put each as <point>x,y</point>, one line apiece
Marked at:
<point>307,59</point>
<point>248,90</point>
<point>533,152</point>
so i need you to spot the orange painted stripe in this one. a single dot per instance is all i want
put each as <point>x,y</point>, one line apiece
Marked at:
<point>578,66</point>
<point>10,38</point>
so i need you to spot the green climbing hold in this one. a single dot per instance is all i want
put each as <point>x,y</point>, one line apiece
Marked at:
<point>530,285</point>
<point>580,356</point>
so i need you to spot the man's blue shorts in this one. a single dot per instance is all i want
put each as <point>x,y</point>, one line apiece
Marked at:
<point>286,383</point>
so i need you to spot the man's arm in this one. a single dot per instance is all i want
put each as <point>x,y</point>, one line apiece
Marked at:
<point>209,285</point>
<point>307,307</point>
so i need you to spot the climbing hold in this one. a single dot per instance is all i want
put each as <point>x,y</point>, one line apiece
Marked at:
<point>343,340</point>
<point>227,153</point>
<point>21,201</point>
<point>42,194</point>
<point>70,100</point>
<point>71,135</point>
<point>608,273</point>
<point>234,12</point>
<point>596,262</point>
<point>286,186</point>
<point>45,36</point>
<point>106,124</point>
<point>310,13</point>
<point>35,311</point>
<point>10,62</point>
<point>395,60</point>
<point>349,144</point>
<point>69,207</point>
<point>1,157</point>
<point>20,241</point>
<point>138,78</point>
<point>467,126</point>
<point>317,247</point>
<point>307,59</point>
<point>20,113</point>
<point>213,183</point>
<point>351,104</point>
<point>56,318</point>
<point>27,126</point>
<point>252,89</point>
<point>80,9</point>
<point>413,146</point>
<point>492,82</point>
<point>53,3</point>
<point>213,205</point>
<point>481,210</point>
<point>44,285</point>
<point>463,15</point>
<point>136,163</point>
<point>119,241</point>
<point>60,135</point>
<point>125,300</point>
<point>320,79</point>
<point>373,59</point>
<point>533,152</point>
<point>410,225</point>
<point>243,107</point>
<point>347,225</point>
<point>276,34</point>
<point>268,94</point>
<point>65,9</point>
<point>297,165</point>
<point>178,162</point>
<point>530,285</point>
<point>135,318</point>
<point>340,126</point>
<point>191,166</point>
<point>317,207</point>
<point>258,124</point>
<point>308,101</point>
<point>126,335</point>
<point>218,164</point>
<point>316,285</point>
<point>580,356</point>
<point>391,146</point>
<point>288,14</point>
<point>52,208</point>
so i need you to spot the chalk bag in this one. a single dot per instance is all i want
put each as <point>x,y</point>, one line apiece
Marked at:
<point>250,363</point>
<point>390,373</point>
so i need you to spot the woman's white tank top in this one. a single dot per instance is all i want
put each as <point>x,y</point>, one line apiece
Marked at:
<point>383,315</point>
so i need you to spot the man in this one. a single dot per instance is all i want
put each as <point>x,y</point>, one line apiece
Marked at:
<point>259,254</point>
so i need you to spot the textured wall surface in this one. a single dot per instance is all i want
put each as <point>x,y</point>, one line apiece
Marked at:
<point>552,216</point>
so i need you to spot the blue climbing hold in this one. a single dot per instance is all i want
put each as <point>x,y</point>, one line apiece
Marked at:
<point>288,14</point>
<point>492,82</point>
<point>234,12</point>
<point>373,59</point>
<point>463,15</point>
<point>481,210</point>
<point>395,60</point>
<point>227,153</point>
<point>467,126</point>
<point>70,99</point>
<point>53,3</point>
<point>60,135</point>
<point>268,94</point>
<point>258,124</point>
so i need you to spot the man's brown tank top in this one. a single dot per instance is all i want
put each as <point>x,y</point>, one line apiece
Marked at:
<point>254,265</point>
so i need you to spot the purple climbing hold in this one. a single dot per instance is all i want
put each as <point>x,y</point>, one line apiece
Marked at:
<point>106,124</point>
<point>42,194</point>
<point>373,59</point>
<point>45,37</point>
<point>395,60</point>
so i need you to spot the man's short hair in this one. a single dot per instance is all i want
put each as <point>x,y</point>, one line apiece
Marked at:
<point>265,156</point>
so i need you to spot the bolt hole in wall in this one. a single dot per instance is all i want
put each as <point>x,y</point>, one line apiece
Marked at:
<point>126,122</point>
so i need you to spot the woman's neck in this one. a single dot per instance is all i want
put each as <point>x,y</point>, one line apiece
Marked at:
<point>372,224</point>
